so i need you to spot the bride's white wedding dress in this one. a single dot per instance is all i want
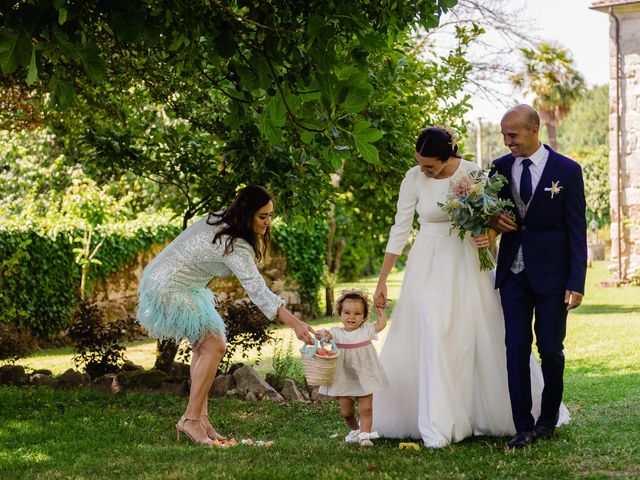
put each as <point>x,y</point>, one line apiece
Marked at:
<point>444,353</point>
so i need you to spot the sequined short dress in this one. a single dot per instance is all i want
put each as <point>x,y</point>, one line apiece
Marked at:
<point>173,299</point>
<point>359,371</point>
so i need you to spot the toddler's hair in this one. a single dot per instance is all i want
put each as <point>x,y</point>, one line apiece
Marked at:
<point>352,294</point>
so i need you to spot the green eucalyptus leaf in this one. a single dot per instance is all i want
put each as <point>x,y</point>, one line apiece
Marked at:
<point>329,86</point>
<point>272,133</point>
<point>365,133</point>
<point>64,43</point>
<point>94,65</point>
<point>247,77</point>
<point>261,67</point>
<point>445,4</point>
<point>330,154</point>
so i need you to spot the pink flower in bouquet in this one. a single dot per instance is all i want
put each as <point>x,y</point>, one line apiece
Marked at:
<point>463,187</point>
<point>470,204</point>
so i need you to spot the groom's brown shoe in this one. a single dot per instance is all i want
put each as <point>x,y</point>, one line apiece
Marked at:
<point>543,432</point>
<point>522,439</point>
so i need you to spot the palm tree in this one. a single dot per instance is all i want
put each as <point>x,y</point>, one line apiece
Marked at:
<point>550,76</point>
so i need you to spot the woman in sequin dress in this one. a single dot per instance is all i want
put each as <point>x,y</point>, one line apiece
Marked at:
<point>174,301</point>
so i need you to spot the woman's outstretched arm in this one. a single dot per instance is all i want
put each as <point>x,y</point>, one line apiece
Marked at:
<point>380,296</point>
<point>303,331</point>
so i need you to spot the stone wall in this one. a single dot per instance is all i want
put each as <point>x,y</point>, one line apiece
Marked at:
<point>117,296</point>
<point>625,248</point>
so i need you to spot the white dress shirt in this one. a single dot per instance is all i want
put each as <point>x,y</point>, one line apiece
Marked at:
<point>538,161</point>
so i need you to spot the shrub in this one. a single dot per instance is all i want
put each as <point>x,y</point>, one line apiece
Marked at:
<point>15,343</point>
<point>39,278</point>
<point>286,365</point>
<point>95,343</point>
<point>304,249</point>
<point>595,169</point>
<point>247,328</point>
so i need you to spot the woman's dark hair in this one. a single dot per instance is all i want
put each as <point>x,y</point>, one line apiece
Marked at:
<point>436,142</point>
<point>237,221</point>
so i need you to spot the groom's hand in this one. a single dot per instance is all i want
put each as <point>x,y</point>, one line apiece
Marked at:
<point>503,223</point>
<point>572,299</point>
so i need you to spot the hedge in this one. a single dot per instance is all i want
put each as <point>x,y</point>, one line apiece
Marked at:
<point>39,279</point>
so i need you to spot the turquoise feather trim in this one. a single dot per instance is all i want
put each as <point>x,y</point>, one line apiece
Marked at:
<point>179,314</point>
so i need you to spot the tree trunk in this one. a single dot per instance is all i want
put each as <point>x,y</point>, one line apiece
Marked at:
<point>166,353</point>
<point>553,137</point>
<point>332,276</point>
<point>329,296</point>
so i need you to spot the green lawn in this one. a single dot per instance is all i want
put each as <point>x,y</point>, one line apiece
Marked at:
<point>83,434</point>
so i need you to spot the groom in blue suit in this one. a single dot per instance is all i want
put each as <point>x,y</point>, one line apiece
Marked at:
<point>541,267</point>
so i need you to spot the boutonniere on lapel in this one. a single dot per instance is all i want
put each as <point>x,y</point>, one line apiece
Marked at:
<point>554,188</point>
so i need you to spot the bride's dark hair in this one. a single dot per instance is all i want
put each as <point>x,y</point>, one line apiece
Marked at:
<point>237,221</point>
<point>437,142</point>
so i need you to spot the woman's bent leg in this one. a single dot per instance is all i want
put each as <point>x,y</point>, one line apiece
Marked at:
<point>207,354</point>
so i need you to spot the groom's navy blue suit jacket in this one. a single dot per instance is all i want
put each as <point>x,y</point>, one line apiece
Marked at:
<point>553,232</point>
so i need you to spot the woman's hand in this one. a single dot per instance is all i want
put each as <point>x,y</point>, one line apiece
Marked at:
<point>484,240</point>
<point>304,332</point>
<point>323,333</point>
<point>380,295</point>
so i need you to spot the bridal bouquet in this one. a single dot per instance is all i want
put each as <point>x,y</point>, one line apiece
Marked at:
<point>471,202</point>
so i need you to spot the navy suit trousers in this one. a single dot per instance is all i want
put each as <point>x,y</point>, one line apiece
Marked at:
<point>520,303</point>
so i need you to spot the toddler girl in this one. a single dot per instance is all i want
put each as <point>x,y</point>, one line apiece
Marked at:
<point>359,372</point>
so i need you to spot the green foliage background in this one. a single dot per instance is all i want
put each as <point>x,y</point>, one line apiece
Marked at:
<point>304,248</point>
<point>586,127</point>
<point>39,279</point>
<point>141,108</point>
<point>584,133</point>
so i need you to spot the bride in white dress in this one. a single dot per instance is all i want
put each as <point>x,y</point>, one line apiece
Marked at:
<point>444,354</point>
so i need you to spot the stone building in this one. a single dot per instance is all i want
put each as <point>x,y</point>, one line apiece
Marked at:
<point>624,132</point>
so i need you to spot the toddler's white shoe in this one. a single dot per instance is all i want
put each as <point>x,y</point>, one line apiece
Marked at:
<point>352,437</point>
<point>364,438</point>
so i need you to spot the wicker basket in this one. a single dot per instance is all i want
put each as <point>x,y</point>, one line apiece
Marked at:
<point>318,369</point>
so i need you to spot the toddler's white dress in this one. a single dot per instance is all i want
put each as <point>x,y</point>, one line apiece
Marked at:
<point>359,371</point>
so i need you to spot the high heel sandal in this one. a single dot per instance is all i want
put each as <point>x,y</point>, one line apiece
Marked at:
<point>210,430</point>
<point>206,441</point>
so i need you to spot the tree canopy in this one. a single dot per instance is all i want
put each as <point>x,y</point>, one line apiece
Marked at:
<point>549,75</point>
<point>203,96</point>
